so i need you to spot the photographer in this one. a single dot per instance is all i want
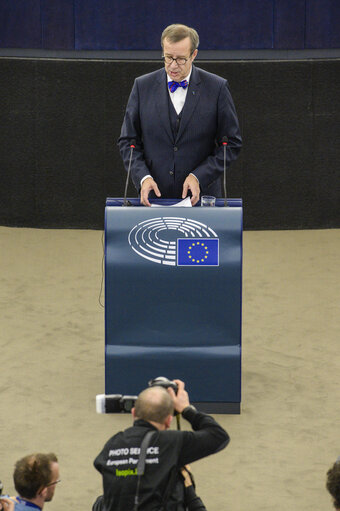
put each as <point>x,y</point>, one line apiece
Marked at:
<point>161,486</point>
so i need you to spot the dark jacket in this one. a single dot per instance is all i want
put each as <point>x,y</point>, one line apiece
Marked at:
<point>191,501</point>
<point>168,451</point>
<point>208,115</point>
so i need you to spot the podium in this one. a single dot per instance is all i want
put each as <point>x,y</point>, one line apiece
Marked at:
<point>173,299</point>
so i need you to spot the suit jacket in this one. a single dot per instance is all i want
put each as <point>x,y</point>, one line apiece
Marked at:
<point>207,116</point>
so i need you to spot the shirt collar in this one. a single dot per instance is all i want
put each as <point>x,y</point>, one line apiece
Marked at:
<point>27,503</point>
<point>143,423</point>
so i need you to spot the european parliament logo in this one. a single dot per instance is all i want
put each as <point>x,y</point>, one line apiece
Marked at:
<point>197,252</point>
<point>175,241</point>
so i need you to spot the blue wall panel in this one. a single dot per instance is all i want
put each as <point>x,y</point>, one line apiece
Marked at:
<point>20,25</point>
<point>322,24</point>
<point>57,20</point>
<point>224,24</point>
<point>136,25</point>
<point>112,25</point>
<point>289,24</point>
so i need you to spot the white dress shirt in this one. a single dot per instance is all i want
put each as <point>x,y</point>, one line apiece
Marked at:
<point>178,97</point>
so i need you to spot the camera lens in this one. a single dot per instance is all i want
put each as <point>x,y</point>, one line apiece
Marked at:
<point>162,381</point>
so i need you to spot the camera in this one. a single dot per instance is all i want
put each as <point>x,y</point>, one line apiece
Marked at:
<point>161,381</point>
<point>118,403</point>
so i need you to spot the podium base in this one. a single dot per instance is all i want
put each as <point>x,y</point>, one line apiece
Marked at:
<point>223,408</point>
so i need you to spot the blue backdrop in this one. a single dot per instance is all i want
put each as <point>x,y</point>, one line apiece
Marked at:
<point>135,25</point>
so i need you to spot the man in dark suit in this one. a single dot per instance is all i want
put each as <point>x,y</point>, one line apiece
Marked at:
<point>177,117</point>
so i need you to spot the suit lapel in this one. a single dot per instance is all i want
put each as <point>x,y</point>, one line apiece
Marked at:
<point>162,101</point>
<point>191,101</point>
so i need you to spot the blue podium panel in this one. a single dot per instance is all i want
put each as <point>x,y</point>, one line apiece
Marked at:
<point>173,279</point>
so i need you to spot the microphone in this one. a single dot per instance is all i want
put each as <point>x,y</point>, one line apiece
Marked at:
<point>225,143</point>
<point>132,147</point>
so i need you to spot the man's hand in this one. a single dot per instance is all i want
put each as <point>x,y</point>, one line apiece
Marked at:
<point>148,185</point>
<point>181,399</point>
<point>192,184</point>
<point>186,473</point>
<point>6,504</point>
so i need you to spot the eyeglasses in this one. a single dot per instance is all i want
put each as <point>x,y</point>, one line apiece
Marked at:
<point>54,482</point>
<point>180,61</point>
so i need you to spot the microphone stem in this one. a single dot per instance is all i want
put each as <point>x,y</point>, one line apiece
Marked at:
<point>225,174</point>
<point>128,177</point>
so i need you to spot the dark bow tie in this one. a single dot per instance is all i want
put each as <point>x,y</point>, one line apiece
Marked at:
<point>174,85</point>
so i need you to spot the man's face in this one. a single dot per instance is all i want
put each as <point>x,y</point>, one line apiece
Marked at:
<point>182,49</point>
<point>54,481</point>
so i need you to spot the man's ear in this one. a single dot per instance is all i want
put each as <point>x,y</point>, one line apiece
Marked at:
<point>133,412</point>
<point>43,492</point>
<point>168,421</point>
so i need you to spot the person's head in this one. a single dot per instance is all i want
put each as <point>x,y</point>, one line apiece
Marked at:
<point>179,42</point>
<point>36,475</point>
<point>333,483</point>
<point>154,405</point>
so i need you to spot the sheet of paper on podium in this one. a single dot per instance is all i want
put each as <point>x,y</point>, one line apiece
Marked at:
<point>185,203</point>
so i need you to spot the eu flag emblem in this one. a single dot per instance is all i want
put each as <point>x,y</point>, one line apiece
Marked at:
<point>197,251</point>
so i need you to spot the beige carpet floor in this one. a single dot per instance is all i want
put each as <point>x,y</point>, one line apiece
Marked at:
<point>52,366</point>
